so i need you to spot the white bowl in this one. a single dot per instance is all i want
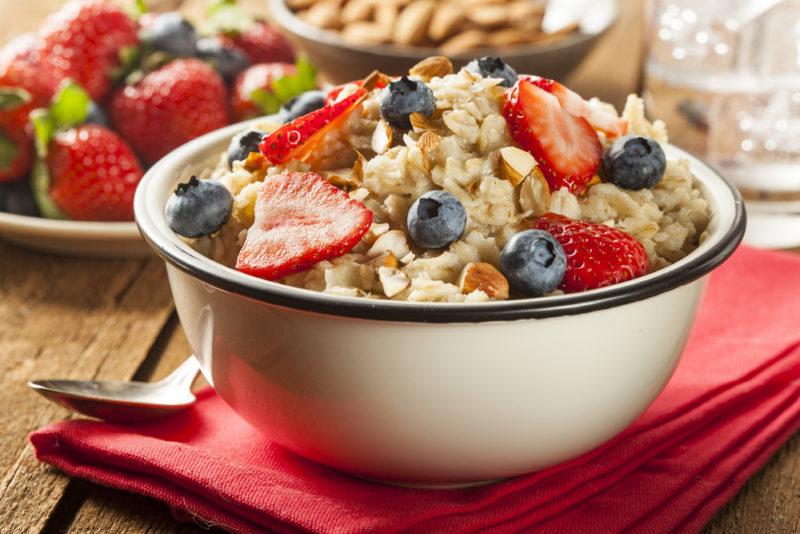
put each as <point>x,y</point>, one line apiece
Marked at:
<point>433,394</point>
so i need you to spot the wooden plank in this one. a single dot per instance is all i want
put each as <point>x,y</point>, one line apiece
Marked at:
<point>63,317</point>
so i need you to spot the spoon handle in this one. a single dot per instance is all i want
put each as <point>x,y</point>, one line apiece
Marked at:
<point>185,374</point>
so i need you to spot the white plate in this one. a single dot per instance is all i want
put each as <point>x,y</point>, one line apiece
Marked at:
<point>74,238</point>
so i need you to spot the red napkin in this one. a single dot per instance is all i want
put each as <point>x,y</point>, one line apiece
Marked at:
<point>733,400</point>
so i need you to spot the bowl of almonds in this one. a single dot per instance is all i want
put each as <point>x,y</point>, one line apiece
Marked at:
<point>347,39</point>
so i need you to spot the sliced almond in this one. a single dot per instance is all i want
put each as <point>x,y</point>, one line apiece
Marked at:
<point>594,181</point>
<point>534,194</point>
<point>392,280</point>
<point>357,11</point>
<point>393,241</point>
<point>358,167</point>
<point>445,21</point>
<point>484,277</point>
<point>412,23</point>
<point>388,259</point>
<point>374,79</point>
<point>382,137</point>
<point>364,34</point>
<point>428,141</point>
<point>419,122</point>
<point>464,42</point>
<point>515,164</point>
<point>255,162</point>
<point>343,180</point>
<point>432,67</point>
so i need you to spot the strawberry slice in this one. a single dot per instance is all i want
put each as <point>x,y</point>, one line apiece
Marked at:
<point>600,119</point>
<point>332,96</point>
<point>295,140</point>
<point>300,219</point>
<point>565,146</point>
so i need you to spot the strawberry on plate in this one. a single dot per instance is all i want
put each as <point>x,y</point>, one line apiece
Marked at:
<point>300,219</point>
<point>566,147</point>
<point>605,121</point>
<point>296,139</point>
<point>83,171</point>
<point>261,42</point>
<point>262,89</point>
<point>597,255</point>
<point>168,107</point>
<point>82,41</point>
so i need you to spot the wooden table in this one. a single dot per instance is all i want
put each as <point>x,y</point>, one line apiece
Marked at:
<point>114,319</point>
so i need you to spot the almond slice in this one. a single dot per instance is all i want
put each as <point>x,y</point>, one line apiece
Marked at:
<point>374,79</point>
<point>428,141</point>
<point>515,164</point>
<point>343,180</point>
<point>432,67</point>
<point>419,122</point>
<point>382,137</point>
<point>484,277</point>
<point>358,168</point>
<point>535,193</point>
<point>392,280</point>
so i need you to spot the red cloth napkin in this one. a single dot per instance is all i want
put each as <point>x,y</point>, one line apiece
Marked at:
<point>733,400</point>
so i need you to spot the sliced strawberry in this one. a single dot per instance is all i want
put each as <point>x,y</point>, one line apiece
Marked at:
<point>296,139</point>
<point>333,94</point>
<point>600,119</point>
<point>597,255</point>
<point>565,146</point>
<point>300,219</point>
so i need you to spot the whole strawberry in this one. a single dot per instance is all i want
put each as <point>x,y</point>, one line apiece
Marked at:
<point>93,174</point>
<point>264,44</point>
<point>16,152</point>
<point>597,255</point>
<point>252,91</point>
<point>82,41</point>
<point>83,171</point>
<point>168,107</point>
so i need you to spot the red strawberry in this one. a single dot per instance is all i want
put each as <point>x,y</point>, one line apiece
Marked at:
<point>25,46</point>
<point>334,92</point>
<point>82,41</point>
<point>168,107</point>
<point>300,219</point>
<point>16,152</point>
<point>565,146</point>
<point>263,44</point>
<point>296,139</point>
<point>93,174</point>
<point>35,80</point>
<point>571,101</point>
<point>256,78</point>
<point>597,255</point>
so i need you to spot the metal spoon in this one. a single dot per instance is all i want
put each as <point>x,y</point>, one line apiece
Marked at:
<point>124,402</point>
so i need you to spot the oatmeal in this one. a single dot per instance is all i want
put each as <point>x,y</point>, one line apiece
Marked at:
<point>501,157</point>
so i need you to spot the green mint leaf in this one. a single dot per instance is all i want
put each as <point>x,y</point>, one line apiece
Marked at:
<point>13,97</point>
<point>226,17</point>
<point>287,87</point>
<point>8,151</point>
<point>70,105</point>
<point>40,184</point>
<point>267,101</point>
<point>43,129</point>
<point>139,8</point>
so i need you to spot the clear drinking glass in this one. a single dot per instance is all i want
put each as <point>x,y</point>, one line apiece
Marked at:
<point>725,77</point>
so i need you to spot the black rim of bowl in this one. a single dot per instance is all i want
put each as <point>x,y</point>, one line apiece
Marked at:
<point>690,269</point>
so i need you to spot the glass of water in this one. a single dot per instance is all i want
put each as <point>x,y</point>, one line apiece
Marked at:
<point>725,77</point>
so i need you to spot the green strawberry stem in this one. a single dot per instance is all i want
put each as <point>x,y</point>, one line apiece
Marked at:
<point>224,16</point>
<point>8,151</point>
<point>40,184</point>
<point>13,97</point>
<point>286,87</point>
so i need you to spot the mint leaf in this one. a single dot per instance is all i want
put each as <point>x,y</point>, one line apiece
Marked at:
<point>287,87</point>
<point>70,105</point>
<point>265,100</point>
<point>13,97</point>
<point>40,184</point>
<point>8,151</point>
<point>43,129</point>
<point>139,8</point>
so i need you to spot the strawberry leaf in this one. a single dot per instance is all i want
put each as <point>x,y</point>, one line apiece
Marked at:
<point>139,8</point>
<point>286,87</point>
<point>70,106</point>
<point>13,97</point>
<point>43,129</point>
<point>40,184</point>
<point>265,100</point>
<point>224,16</point>
<point>8,151</point>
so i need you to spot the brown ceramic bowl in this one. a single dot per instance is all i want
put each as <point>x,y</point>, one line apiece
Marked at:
<point>341,62</point>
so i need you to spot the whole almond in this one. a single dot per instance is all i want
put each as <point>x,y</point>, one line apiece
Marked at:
<point>432,67</point>
<point>484,277</point>
<point>386,15</point>
<point>324,14</point>
<point>364,34</point>
<point>445,21</point>
<point>357,11</point>
<point>488,15</point>
<point>300,4</point>
<point>508,36</point>
<point>464,42</point>
<point>412,24</point>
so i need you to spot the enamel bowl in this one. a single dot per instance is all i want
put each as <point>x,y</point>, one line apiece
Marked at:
<point>433,394</point>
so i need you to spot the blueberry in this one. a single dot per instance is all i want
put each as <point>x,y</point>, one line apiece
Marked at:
<point>171,33</point>
<point>436,219</point>
<point>227,60</point>
<point>96,115</point>
<point>302,105</point>
<point>494,67</point>
<point>17,198</point>
<point>534,262</point>
<point>633,162</point>
<point>404,97</point>
<point>242,144</point>
<point>199,207</point>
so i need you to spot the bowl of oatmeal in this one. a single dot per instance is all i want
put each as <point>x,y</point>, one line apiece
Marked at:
<point>442,279</point>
